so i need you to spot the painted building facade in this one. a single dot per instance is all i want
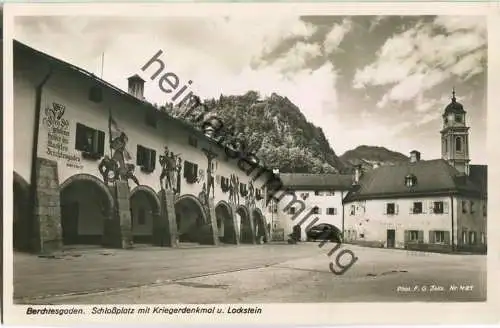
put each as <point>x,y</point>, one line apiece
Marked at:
<point>318,194</point>
<point>102,166</point>
<point>423,204</point>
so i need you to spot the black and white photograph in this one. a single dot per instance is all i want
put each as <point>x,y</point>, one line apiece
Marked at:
<point>239,159</point>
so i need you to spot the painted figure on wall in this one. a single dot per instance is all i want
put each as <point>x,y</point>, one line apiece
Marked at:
<point>251,194</point>
<point>210,174</point>
<point>203,196</point>
<point>234,193</point>
<point>118,167</point>
<point>169,171</point>
<point>178,169</point>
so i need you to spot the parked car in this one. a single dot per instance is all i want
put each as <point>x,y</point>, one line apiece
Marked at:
<point>324,231</point>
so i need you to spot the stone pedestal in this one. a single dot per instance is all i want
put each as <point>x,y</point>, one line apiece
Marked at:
<point>118,229</point>
<point>47,230</point>
<point>165,224</point>
<point>209,232</point>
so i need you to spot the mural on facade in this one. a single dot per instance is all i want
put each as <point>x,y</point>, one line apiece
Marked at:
<point>171,166</point>
<point>210,181</point>
<point>234,193</point>
<point>58,135</point>
<point>250,197</point>
<point>118,166</point>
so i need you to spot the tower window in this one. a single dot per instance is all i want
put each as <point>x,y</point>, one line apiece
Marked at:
<point>458,144</point>
<point>458,118</point>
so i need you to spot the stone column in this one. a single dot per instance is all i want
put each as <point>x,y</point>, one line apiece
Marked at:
<point>118,229</point>
<point>209,232</point>
<point>47,229</point>
<point>252,225</point>
<point>165,225</point>
<point>234,217</point>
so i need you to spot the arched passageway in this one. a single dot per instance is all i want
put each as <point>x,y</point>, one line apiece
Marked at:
<point>144,210</point>
<point>22,220</point>
<point>225,223</point>
<point>190,217</point>
<point>86,206</point>
<point>260,226</point>
<point>246,236</point>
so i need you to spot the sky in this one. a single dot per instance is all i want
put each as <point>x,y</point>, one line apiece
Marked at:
<point>365,80</point>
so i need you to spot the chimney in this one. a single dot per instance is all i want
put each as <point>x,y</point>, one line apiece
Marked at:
<point>357,174</point>
<point>136,86</point>
<point>414,156</point>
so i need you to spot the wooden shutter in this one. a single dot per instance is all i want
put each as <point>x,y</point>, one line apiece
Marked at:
<point>80,142</point>
<point>334,211</point>
<point>140,155</point>
<point>195,170</point>
<point>411,207</point>
<point>432,237</point>
<point>447,237</point>
<point>396,208</point>
<point>407,236</point>
<point>420,236</point>
<point>187,169</point>
<point>431,207</point>
<point>101,136</point>
<point>424,209</point>
<point>385,208</point>
<point>152,160</point>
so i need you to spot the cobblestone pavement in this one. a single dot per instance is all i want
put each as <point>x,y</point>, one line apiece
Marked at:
<point>248,274</point>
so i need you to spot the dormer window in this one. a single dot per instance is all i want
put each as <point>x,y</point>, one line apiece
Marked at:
<point>410,180</point>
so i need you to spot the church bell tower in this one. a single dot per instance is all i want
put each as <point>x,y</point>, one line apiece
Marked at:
<point>455,136</point>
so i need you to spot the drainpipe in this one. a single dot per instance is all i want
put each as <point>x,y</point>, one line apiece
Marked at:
<point>36,131</point>
<point>452,225</point>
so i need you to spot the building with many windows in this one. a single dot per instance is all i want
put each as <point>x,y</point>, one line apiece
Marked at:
<point>320,195</point>
<point>436,204</point>
<point>96,165</point>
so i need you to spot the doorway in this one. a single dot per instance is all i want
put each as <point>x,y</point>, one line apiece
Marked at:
<point>391,238</point>
<point>69,222</point>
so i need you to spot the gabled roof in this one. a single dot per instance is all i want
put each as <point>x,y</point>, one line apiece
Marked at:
<point>433,177</point>
<point>19,46</point>
<point>299,181</point>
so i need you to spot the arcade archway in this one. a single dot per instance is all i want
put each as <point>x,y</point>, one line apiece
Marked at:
<point>144,210</point>
<point>225,223</point>
<point>246,235</point>
<point>86,206</point>
<point>191,218</point>
<point>22,220</point>
<point>261,230</point>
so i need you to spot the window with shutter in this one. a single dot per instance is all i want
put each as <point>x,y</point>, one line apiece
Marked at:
<point>417,208</point>
<point>446,207</point>
<point>89,141</point>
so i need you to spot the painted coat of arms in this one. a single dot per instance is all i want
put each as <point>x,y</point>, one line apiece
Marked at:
<point>54,117</point>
